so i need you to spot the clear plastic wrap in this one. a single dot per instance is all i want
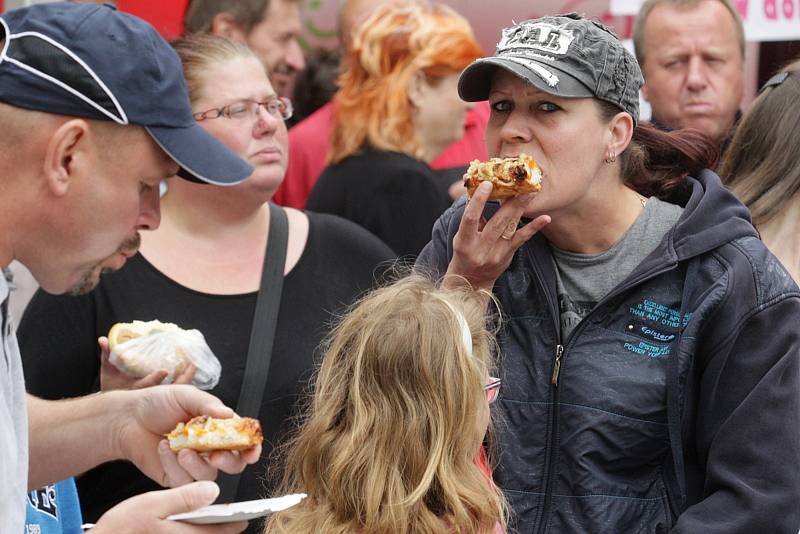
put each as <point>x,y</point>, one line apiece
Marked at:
<point>169,350</point>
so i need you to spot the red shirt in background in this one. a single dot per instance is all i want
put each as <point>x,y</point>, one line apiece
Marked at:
<point>309,141</point>
<point>166,17</point>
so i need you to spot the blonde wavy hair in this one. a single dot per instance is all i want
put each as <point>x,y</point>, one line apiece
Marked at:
<point>762,164</point>
<point>391,439</point>
<point>397,41</point>
<point>199,52</point>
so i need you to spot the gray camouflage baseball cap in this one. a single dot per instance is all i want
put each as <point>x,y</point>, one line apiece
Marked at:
<point>563,55</point>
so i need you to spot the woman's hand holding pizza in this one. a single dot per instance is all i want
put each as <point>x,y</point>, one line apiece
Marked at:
<point>482,249</point>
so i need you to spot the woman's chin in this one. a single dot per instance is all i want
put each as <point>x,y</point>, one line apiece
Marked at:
<point>263,184</point>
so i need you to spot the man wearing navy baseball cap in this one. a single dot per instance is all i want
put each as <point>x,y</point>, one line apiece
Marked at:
<point>94,113</point>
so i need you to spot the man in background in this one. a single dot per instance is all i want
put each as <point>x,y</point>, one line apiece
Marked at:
<point>692,56</point>
<point>269,27</point>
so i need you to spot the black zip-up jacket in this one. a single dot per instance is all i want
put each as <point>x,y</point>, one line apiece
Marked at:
<point>674,406</point>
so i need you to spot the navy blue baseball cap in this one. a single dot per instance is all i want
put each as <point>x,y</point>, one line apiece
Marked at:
<point>93,61</point>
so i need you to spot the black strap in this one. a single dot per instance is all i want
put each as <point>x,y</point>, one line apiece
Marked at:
<point>4,317</point>
<point>262,335</point>
<point>3,320</point>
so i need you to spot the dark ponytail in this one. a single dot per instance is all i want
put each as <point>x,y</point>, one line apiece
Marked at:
<point>657,162</point>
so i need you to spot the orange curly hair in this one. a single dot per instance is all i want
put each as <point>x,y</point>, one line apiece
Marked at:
<point>396,42</point>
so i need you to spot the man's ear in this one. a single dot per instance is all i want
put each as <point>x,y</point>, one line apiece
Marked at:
<point>66,155</point>
<point>225,25</point>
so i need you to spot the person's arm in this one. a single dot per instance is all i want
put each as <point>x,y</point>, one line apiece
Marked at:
<point>748,428</point>
<point>70,436</point>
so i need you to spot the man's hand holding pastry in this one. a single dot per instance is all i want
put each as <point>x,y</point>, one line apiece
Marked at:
<point>154,412</point>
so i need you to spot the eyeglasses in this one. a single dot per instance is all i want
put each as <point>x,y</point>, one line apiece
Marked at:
<point>492,389</point>
<point>279,107</point>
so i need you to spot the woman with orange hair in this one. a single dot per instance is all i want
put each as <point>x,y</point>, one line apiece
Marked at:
<point>397,107</point>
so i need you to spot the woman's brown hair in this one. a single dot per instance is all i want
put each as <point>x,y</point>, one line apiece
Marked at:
<point>656,162</point>
<point>391,439</point>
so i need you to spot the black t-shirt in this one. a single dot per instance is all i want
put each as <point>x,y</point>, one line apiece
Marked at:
<point>394,196</point>
<point>58,339</point>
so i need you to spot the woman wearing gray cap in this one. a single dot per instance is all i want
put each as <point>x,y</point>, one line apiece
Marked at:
<point>651,339</point>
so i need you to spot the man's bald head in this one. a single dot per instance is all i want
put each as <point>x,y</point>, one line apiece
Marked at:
<point>22,127</point>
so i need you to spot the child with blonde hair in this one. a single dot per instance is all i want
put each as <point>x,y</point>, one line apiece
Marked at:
<point>393,441</point>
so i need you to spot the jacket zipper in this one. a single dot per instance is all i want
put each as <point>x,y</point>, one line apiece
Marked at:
<point>552,412</point>
<point>557,362</point>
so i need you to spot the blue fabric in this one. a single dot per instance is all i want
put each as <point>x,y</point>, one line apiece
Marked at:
<point>109,65</point>
<point>54,509</point>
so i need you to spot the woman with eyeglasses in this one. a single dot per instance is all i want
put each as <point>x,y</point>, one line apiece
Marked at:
<point>393,438</point>
<point>202,269</point>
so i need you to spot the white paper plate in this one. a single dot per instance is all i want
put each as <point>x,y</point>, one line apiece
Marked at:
<point>238,511</point>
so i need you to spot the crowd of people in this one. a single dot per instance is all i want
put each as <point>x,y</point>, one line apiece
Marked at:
<point>616,353</point>
<point>213,284</point>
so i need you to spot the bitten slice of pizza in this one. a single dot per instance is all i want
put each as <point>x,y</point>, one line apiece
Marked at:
<point>510,176</point>
<point>205,434</point>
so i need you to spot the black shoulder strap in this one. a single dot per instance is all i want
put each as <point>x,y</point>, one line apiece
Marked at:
<point>3,321</point>
<point>262,335</point>
<point>4,317</point>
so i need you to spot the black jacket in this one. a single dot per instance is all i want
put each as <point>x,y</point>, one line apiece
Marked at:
<point>394,196</point>
<point>677,403</point>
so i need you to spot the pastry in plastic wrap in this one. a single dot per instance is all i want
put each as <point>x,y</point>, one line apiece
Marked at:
<point>142,347</point>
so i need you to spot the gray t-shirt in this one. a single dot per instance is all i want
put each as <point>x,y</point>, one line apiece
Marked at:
<point>13,425</point>
<point>584,279</point>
